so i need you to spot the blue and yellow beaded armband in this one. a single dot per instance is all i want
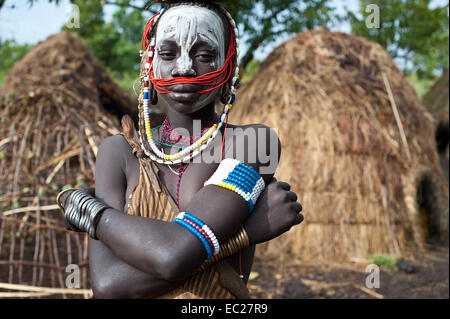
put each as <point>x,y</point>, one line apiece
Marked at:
<point>240,178</point>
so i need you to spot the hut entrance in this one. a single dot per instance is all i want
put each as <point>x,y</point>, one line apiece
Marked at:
<point>429,212</point>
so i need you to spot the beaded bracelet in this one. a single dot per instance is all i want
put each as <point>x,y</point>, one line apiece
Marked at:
<point>240,178</point>
<point>205,228</point>
<point>201,231</point>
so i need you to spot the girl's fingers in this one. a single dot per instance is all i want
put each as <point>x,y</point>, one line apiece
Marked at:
<point>297,207</point>
<point>299,218</point>
<point>292,196</point>
<point>284,186</point>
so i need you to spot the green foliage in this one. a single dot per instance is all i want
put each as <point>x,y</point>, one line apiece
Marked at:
<point>16,204</point>
<point>383,260</point>
<point>41,192</point>
<point>67,186</point>
<point>411,31</point>
<point>10,52</point>
<point>251,69</point>
<point>126,80</point>
<point>263,21</point>
<point>115,43</point>
<point>80,183</point>
<point>421,85</point>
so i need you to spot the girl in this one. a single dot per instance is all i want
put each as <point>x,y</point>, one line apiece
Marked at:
<point>178,209</point>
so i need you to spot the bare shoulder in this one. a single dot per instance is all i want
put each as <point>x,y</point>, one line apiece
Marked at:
<point>115,148</point>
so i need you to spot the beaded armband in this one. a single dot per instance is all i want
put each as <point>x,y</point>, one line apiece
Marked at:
<point>240,178</point>
<point>201,231</point>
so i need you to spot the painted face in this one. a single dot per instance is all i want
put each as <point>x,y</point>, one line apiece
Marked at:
<point>189,42</point>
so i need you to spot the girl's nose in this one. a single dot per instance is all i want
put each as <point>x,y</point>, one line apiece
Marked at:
<point>184,66</point>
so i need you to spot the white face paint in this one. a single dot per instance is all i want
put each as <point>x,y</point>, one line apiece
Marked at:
<point>186,25</point>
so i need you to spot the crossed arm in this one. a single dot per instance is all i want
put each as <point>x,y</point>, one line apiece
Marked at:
<point>142,257</point>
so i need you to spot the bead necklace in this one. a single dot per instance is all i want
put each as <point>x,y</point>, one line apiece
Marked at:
<point>172,137</point>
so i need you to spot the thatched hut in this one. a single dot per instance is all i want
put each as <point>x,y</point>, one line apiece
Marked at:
<point>58,104</point>
<point>437,102</point>
<point>358,147</point>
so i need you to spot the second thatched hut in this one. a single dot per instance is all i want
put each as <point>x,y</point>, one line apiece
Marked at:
<point>357,146</point>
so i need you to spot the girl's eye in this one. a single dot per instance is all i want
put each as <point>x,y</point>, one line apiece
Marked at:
<point>205,57</point>
<point>166,54</point>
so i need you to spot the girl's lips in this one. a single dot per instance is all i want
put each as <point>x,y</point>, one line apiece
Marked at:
<point>184,96</point>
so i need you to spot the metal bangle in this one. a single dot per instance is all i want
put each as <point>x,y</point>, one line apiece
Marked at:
<point>73,216</point>
<point>94,217</point>
<point>70,216</point>
<point>58,198</point>
<point>84,220</point>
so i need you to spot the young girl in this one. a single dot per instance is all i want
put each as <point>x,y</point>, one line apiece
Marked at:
<point>178,209</point>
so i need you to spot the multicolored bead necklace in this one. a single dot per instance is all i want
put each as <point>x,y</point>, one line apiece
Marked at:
<point>171,137</point>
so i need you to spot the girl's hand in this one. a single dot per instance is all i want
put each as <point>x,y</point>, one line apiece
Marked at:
<point>276,211</point>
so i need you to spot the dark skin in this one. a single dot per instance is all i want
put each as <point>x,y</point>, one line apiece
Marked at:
<point>139,257</point>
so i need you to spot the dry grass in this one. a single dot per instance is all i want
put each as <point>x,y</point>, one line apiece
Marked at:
<point>57,106</point>
<point>343,150</point>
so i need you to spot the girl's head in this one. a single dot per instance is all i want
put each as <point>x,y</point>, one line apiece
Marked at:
<point>191,39</point>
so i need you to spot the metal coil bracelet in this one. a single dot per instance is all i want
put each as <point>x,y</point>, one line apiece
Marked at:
<point>81,210</point>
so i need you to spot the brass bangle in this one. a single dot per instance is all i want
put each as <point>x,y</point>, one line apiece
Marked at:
<point>234,244</point>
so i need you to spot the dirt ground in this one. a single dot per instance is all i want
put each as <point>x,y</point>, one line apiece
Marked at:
<point>300,280</point>
<point>275,278</point>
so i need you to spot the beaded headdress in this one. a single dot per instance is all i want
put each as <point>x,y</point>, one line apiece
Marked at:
<point>150,84</point>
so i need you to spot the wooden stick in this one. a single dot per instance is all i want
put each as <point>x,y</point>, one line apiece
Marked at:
<point>58,159</point>
<point>30,209</point>
<point>38,264</point>
<point>45,289</point>
<point>23,294</point>
<point>397,115</point>
<point>94,147</point>
<point>369,291</point>
<point>53,173</point>
<point>111,131</point>
<point>6,141</point>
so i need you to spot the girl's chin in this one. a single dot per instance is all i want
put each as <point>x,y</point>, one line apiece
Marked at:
<point>183,103</point>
